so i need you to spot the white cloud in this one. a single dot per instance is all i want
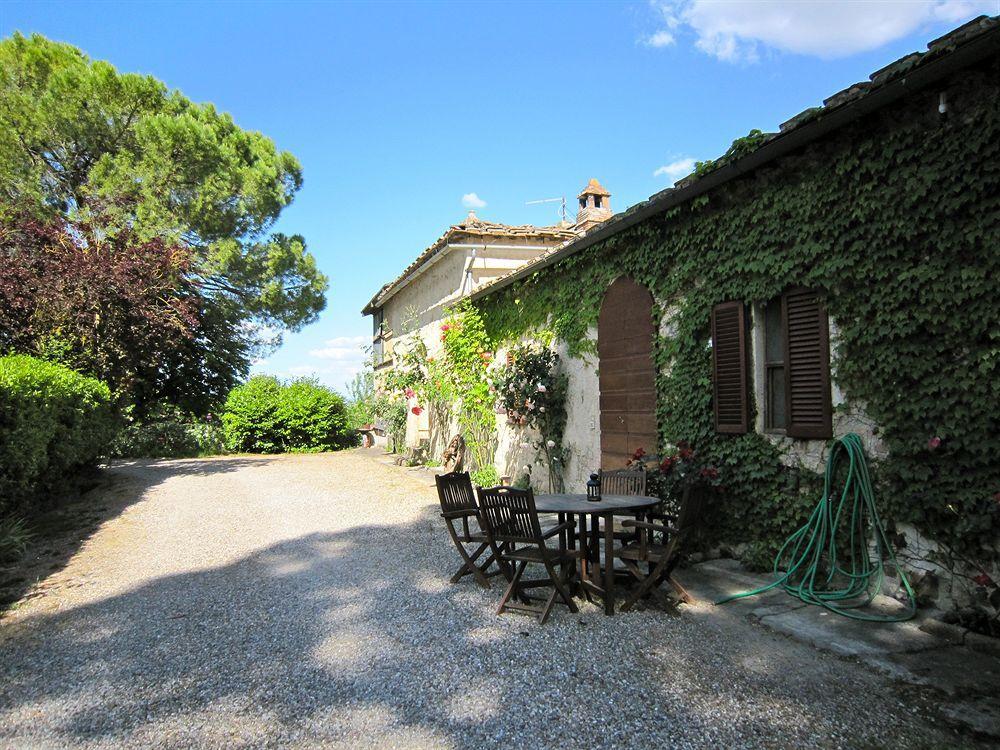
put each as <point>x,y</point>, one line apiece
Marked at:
<point>342,348</point>
<point>676,169</point>
<point>735,31</point>
<point>471,200</point>
<point>661,38</point>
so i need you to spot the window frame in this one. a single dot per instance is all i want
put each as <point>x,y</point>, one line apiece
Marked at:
<point>770,365</point>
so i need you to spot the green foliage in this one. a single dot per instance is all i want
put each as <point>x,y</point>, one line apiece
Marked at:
<point>53,422</point>
<point>532,390</point>
<point>14,539</point>
<point>391,410</point>
<point>894,222</point>
<point>468,353</point>
<point>81,140</point>
<point>457,380</point>
<point>739,148</point>
<point>360,398</point>
<point>170,433</point>
<point>486,476</point>
<point>302,416</point>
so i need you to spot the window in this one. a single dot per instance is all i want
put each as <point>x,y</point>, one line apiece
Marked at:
<point>775,416</point>
<point>808,409</point>
<point>795,368</point>
<point>378,337</point>
<point>597,201</point>
<point>729,368</point>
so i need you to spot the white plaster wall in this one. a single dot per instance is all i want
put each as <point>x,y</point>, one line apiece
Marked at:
<point>582,436</point>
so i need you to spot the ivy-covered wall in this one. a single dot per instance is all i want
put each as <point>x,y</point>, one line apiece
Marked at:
<point>895,220</point>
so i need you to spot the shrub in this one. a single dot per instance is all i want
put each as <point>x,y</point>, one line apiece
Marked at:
<point>267,416</point>
<point>53,422</point>
<point>14,539</point>
<point>170,433</point>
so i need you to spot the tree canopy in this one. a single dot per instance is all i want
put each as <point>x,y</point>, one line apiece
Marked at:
<point>75,133</point>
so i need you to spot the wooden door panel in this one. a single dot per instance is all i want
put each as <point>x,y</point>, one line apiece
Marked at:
<point>627,373</point>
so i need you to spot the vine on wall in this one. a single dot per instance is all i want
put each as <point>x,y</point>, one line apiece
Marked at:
<point>532,391</point>
<point>894,222</point>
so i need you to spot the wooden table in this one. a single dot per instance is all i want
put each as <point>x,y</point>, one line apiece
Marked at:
<point>579,507</point>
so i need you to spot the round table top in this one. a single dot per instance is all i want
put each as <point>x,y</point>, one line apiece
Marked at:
<point>566,503</point>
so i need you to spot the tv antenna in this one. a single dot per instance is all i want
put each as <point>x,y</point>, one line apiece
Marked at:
<point>561,200</point>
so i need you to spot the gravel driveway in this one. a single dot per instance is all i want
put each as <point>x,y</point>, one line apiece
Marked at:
<point>303,601</point>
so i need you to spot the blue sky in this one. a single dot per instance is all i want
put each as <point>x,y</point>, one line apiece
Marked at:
<point>397,111</point>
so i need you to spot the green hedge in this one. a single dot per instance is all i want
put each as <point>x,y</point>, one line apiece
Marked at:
<point>53,422</point>
<point>267,416</point>
<point>169,432</point>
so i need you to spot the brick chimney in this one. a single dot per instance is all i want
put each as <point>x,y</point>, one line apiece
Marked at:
<point>595,206</point>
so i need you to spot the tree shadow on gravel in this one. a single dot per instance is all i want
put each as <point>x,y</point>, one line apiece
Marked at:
<point>60,529</point>
<point>171,467</point>
<point>355,638</point>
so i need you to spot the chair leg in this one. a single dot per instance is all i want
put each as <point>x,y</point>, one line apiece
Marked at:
<point>512,588</point>
<point>559,587</point>
<point>547,608</point>
<point>647,583</point>
<point>469,566</point>
<point>681,591</point>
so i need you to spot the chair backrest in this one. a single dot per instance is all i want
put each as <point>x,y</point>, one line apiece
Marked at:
<point>455,491</point>
<point>623,482</point>
<point>510,515</point>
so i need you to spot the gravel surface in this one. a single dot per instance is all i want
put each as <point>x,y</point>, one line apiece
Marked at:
<point>303,601</point>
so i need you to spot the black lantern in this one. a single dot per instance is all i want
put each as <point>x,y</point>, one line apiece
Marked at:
<point>594,488</point>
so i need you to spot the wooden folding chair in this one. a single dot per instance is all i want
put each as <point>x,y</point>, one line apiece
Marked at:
<point>458,506</point>
<point>660,557</point>
<point>510,519</point>
<point>622,482</point>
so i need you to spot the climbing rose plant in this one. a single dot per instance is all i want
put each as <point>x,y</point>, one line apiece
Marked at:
<point>531,389</point>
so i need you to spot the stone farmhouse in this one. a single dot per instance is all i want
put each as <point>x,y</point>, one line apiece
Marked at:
<point>837,276</point>
<point>466,257</point>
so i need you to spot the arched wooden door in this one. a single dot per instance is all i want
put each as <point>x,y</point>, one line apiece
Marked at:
<point>627,373</point>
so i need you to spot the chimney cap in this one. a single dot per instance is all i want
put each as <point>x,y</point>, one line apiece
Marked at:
<point>593,188</point>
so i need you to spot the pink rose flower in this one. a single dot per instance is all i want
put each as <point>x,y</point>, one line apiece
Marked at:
<point>934,443</point>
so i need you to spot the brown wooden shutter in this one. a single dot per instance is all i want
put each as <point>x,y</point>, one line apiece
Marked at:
<point>807,365</point>
<point>729,365</point>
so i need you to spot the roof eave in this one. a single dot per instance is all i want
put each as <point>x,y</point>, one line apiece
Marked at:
<point>965,55</point>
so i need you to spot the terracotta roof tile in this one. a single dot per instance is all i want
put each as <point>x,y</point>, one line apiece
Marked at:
<point>472,226</point>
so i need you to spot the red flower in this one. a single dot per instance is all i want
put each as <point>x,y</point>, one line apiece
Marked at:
<point>983,580</point>
<point>667,464</point>
<point>710,472</point>
<point>445,327</point>
<point>418,410</point>
<point>933,443</point>
<point>410,393</point>
<point>686,453</point>
<point>639,453</point>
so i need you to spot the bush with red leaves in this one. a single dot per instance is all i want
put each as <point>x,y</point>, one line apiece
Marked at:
<point>112,306</point>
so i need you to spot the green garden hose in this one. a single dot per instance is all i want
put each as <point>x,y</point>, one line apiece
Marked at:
<point>810,557</point>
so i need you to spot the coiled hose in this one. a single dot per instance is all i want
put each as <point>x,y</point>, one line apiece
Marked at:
<point>810,557</point>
